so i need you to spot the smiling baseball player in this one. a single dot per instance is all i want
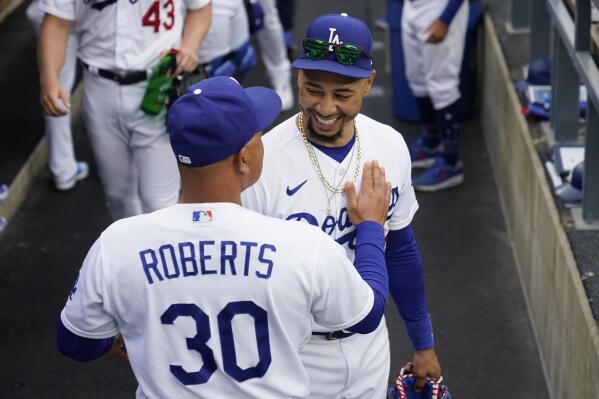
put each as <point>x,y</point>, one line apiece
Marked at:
<point>120,41</point>
<point>224,296</point>
<point>308,159</point>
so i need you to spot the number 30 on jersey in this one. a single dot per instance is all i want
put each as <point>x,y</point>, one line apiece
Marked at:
<point>227,343</point>
<point>152,16</point>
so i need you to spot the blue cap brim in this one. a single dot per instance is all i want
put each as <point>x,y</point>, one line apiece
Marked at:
<point>568,193</point>
<point>332,66</point>
<point>267,103</point>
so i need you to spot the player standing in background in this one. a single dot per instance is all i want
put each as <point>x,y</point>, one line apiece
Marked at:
<point>226,49</point>
<point>274,53</point>
<point>67,171</point>
<point>286,10</point>
<point>119,42</point>
<point>207,277</point>
<point>433,37</point>
<point>308,158</point>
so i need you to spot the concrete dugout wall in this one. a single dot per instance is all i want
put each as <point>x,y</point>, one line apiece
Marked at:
<point>564,326</point>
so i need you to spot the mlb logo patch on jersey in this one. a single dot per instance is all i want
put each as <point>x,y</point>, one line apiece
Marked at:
<point>202,216</point>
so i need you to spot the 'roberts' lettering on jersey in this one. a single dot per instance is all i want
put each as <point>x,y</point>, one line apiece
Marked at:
<point>187,259</point>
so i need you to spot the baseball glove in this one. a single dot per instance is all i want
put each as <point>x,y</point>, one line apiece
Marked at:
<point>403,388</point>
<point>182,82</point>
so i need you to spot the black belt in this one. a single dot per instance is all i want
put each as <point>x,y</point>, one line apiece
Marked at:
<point>120,77</point>
<point>333,335</point>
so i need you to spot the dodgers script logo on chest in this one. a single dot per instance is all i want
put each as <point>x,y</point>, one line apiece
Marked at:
<point>332,224</point>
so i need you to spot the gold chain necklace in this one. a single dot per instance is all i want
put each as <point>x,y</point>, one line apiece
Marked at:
<point>312,154</point>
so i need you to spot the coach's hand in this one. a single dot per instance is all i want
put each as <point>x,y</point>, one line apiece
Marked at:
<point>372,203</point>
<point>119,350</point>
<point>426,364</point>
<point>436,31</point>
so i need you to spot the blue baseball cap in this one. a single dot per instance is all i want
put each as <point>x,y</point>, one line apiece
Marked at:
<point>216,117</point>
<point>339,29</point>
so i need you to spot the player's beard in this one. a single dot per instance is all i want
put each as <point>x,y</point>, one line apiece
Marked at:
<point>332,139</point>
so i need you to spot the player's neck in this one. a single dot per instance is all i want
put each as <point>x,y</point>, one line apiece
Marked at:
<point>211,195</point>
<point>204,187</point>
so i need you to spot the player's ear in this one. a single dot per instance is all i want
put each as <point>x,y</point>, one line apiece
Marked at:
<point>369,82</point>
<point>242,160</point>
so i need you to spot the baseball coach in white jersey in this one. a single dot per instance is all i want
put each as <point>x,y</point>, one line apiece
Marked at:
<point>222,295</point>
<point>308,160</point>
<point>119,43</point>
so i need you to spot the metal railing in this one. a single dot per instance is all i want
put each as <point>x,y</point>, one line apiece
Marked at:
<point>573,64</point>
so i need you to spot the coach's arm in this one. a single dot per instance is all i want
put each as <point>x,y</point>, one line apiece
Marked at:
<point>368,212</point>
<point>80,348</point>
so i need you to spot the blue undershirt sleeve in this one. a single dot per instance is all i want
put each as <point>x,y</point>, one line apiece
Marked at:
<point>406,283</point>
<point>80,348</point>
<point>370,263</point>
<point>450,10</point>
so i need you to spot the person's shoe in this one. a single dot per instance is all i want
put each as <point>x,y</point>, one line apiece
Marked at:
<point>421,155</point>
<point>286,93</point>
<point>439,176</point>
<point>82,173</point>
<point>4,190</point>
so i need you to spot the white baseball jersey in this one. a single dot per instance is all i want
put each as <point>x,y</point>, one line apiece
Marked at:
<point>433,70</point>
<point>289,188</point>
<point>228,30</point>
<point>128,35</point>
<point>213,300</point>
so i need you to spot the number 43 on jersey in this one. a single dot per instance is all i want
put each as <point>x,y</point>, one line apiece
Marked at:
<point>152,16</point>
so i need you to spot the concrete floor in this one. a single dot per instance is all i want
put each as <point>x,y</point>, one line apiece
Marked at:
<point>484,338</point>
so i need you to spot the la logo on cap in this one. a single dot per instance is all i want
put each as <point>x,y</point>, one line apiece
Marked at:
<point>334,37</point>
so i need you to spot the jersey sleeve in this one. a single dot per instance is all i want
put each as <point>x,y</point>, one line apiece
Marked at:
<point>86,313</point>
<point>404,200</point>
<point>341,298</point>
<point>450,11</point>
<point>196,4</point>
<point>64,9</point>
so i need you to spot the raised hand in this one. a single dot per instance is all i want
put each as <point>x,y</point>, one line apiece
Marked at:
<point>372,203</point>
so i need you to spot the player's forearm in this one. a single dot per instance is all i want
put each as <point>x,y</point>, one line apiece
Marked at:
<point>197,23</point>
<point>370,264</point>
<point>80,348</point>
<point>54,34</point>
<point>406,283</point>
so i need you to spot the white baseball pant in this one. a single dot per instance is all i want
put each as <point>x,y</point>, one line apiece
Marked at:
<point>355,367</point>
<point>433,70</point>
<point>272,46</point>
<point>61,152</point>
<point>132,151</point>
